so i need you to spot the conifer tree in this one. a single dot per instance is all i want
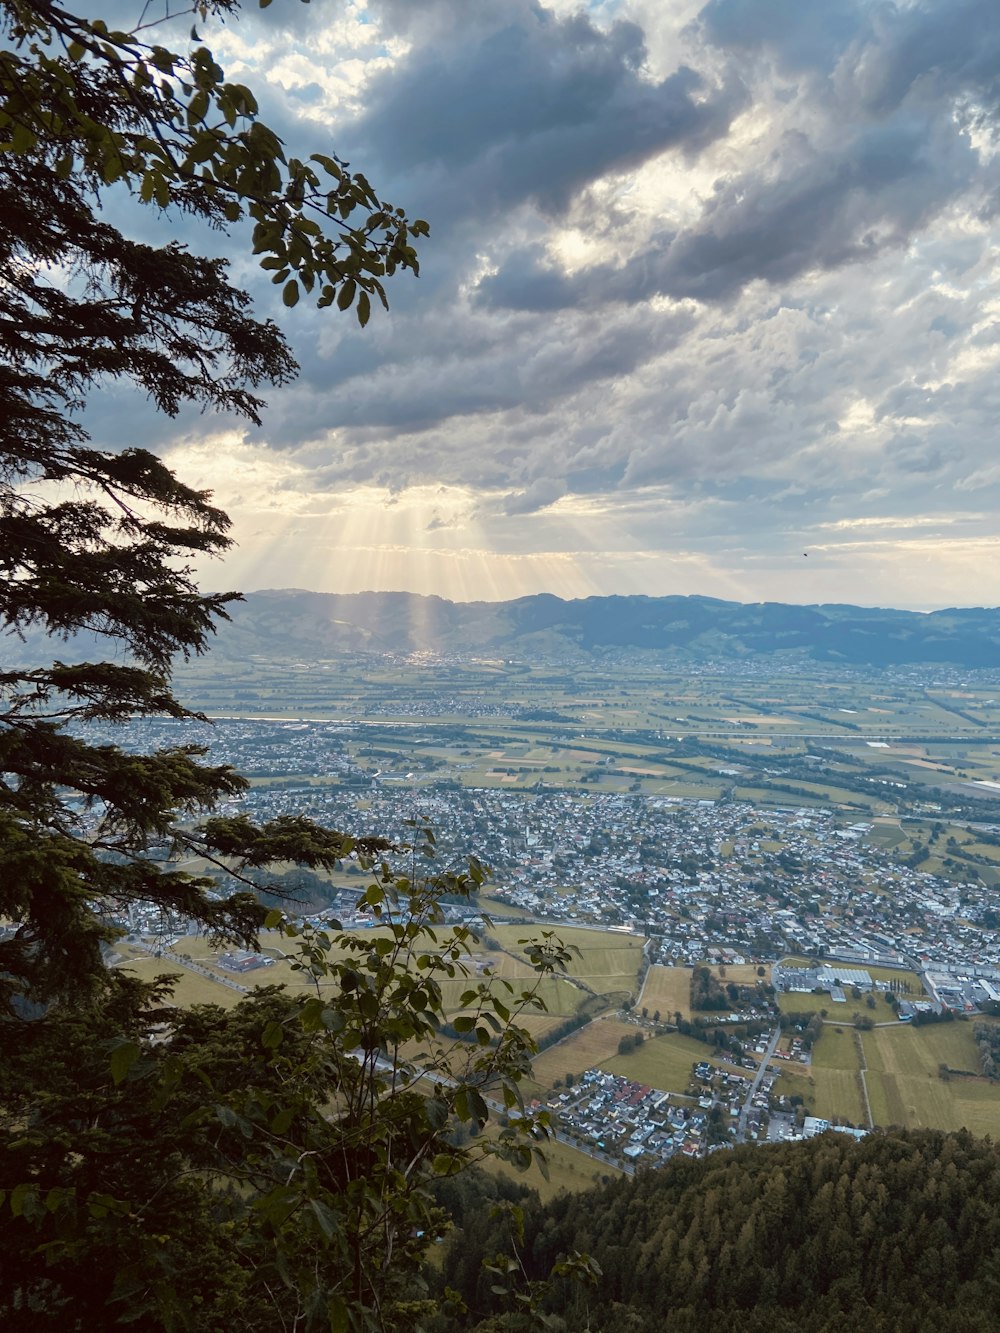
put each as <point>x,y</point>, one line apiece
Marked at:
<point>285,1142</point>
<point>99,542</point>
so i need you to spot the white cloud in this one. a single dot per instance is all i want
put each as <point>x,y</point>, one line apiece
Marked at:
<point>705,285</point>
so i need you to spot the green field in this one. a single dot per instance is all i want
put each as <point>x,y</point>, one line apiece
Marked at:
<point>568,1170</point>
<point>665,1062</point>
<point>669,990</point>
<point>190,988</point>
<point>904,1084</point>
<point>905,1087</point>
<point>587,1048</point>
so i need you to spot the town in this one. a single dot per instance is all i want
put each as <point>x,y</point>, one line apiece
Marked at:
<point>698,882</point>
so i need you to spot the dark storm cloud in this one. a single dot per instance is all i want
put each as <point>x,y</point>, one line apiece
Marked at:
<point>534,108</point>
<point>882,149</point>
<point>933,52</point>
<point>801,35</point>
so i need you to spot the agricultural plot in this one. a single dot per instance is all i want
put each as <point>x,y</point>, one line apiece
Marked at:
<point>743,974</point>
<point>905,1087</point>
<point>190,988</point>
<point>669,990</point>
<point>607,964</point>
<point>559,998</point>
<point>807,1002</point>
<point>567,1169</point>
<point>664,1062</point>
<point>605,961</point>
<point>589,1047</point>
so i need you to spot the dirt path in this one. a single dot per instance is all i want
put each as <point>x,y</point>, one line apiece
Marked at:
<point>862,1070</point>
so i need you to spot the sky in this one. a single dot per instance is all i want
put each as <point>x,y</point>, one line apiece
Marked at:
<point>710,304</point>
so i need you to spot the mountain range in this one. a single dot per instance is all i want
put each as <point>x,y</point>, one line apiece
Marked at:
<point>293,624</point>
<point>308,624</point>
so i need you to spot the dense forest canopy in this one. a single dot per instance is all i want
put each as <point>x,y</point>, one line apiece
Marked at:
<point>899,1231</point>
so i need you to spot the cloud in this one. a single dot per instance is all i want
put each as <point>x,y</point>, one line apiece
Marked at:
<point>718,282</point>
<point>529,108</point>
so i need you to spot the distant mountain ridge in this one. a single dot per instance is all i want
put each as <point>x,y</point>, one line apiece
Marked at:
<point>297,623</point>
<point>292,623</point>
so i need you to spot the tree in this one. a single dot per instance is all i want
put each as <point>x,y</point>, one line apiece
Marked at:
<point>185,1170</point>
<point>99,542</point>
<point>200,1168</point>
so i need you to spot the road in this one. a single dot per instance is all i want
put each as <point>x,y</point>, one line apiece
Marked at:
<point>772,1046</point>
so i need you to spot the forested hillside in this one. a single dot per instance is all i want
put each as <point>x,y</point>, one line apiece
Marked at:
<point>900,1231</point>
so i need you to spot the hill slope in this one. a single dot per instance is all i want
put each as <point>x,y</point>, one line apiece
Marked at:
<point>292,624</point>
<point>317,624</point>
<point>897,1232</point>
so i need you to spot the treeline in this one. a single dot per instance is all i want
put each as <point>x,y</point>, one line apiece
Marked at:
<point>987,1037</point>
<point>711,995</point>
<point>898,1231</point>
<point>810,1025</point>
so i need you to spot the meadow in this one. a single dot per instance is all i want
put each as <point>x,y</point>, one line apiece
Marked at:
<point>884,744</point>
<point>903,1078</point>
<point>665,1062</point>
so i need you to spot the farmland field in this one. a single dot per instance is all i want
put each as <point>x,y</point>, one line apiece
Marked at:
<point>568,1170</point>
<point>905,1087</point>
<point>664,1062</point>
<point>587,1048</point>
<point>607,961</point>
<point>190,988</point>
<point>669,990</point>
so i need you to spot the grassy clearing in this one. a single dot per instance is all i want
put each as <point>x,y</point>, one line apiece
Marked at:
<point>568,1170</point>
<point>838,1094</point>
<point>904,1084</point>
<point>836,1049</point>
<point>743,974</point>
<point>830,1086</point>
<point>806,1002</point>
<point>886,835</point>
<point>559,998</point>
<point>588,1048</point>
<point>190,988</point>
<point>664,1062</point>
<point>895,974</point>
<point>669,990</point>
<point>606,961</point>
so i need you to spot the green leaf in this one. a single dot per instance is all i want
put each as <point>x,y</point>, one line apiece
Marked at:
<point>364,309</point>
<point>272,1035</point>
<point>290,295</point>
<point>326,1218</point>
<point>21,1198</point>
<point>274,919</point>
<point>346,294</point>
<point>339,1315</point>
<point>123,1057</point>
<point>282,1122</point>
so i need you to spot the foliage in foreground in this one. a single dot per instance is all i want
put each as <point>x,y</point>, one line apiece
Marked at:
<point>100,541</point>
<point>264,1168</point>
